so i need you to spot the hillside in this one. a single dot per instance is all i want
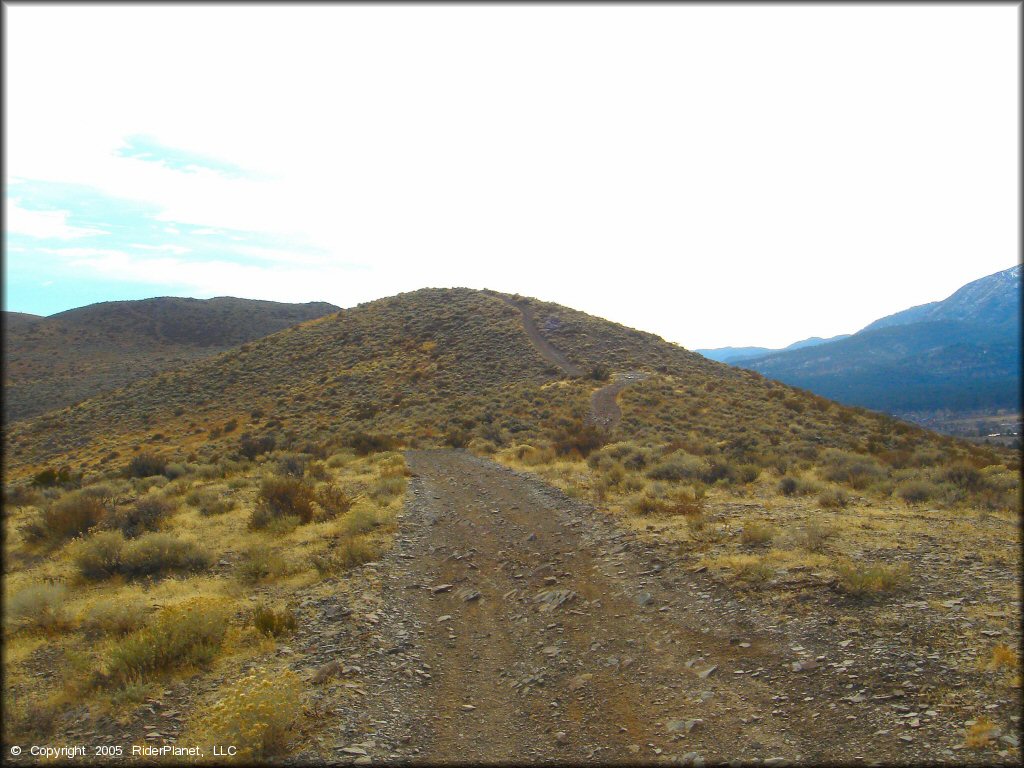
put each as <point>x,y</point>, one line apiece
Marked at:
<point>59,360</point>
<point>462,526</point>
<point>961,355</point>
<point>440,366</point>
<point>17,320</point>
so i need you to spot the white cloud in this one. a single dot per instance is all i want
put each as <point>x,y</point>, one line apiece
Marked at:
<point>43,224</point>
<point>716,175</point>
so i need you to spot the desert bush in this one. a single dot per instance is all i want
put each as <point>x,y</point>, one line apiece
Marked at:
<point>348,553</point>
<point>20,496</point>
<point>48,478</point>
<point>340,459</point>
<point>753,571</point>
<point>577,438</point>
<point>282,497</point>
<point>107,554</point>
<point>250,446</point>
<point>788,486</point>
<point>178,469</point>
<point>146,514</point>
<point>333,499</point>
<point>756,533</point>
<point>209,503</point>
<point>812,536</point>
<point>361,519</point>
<point>855,470</point>
<point>188,634</point>
<point>316,470</point>
<point>679,466</point>
<point>146,465</point>
<point>386,488</point>
<point>113,616</point>
<point>532,456</point>
<point>864,580</point>
<point>916,491</point>
<point>747,473</point>
<point>963,476</point>
<point>261,562</point>
<point>600,373</point>
<point>833,498</point>
<point>364,443</point>
<point>71,516</point>
<point>273,622</point>
<point>99,557</point>
<point>157,553</point>
<point>258,713</point>
<point>37,605</point>
<point>292,464</point>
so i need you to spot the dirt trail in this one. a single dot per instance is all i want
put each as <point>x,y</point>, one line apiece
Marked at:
<point>604,410</point>
<point>547,351</point>
<point>604,407</point>
<point>518,625</point>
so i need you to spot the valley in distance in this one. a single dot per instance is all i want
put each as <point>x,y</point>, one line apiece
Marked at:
<point>461,526</point>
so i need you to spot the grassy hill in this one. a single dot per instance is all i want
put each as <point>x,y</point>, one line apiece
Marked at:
<point>453,366</point>
<point>52,362</point>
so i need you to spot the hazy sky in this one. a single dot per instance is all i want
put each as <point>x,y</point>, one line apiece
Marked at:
<point>714,174</point>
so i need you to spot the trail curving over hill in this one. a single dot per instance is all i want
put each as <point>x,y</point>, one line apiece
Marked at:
<point>604,408</point>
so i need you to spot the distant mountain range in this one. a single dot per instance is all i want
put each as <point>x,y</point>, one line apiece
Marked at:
<point>52,362</point>
<point>961,354</point>
<point>730,354</point>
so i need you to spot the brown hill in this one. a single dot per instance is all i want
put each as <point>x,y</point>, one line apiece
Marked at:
<point>452,366</point>
<point>55,361</point>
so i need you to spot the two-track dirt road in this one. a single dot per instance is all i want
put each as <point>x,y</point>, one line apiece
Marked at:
<point>517,625</point>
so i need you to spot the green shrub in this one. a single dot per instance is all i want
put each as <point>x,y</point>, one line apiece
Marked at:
<point>862,580</point>
<point>755,533</point>
<point>274,623</point>
<point>292,464</point>
<point>209,503</point>
<point>577,438</point>
<point>788,486</point>
<point>963,476</point>
<point>833,498</point>
<point>387,488</point>
<point>99,557</point>
<point>71,516</point>
<point>283,497</point>
<point>855,470</point>
<point>813,536</point>
<point>916,491</point>
<point>20,496</point>
<point>250,446</point>
<point>107,554</point>
<point>190,634</point>
<point>361,519</point>
<point>146,514</point>
<point>37,605</point>
<point>49,477</point>
<point>679,466</point>
<point>259,563</point>
<point>113,616</point>
<point>146,465</point>
<point>747,473</point>
<point>364,444</point>
<point>158,553</point>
